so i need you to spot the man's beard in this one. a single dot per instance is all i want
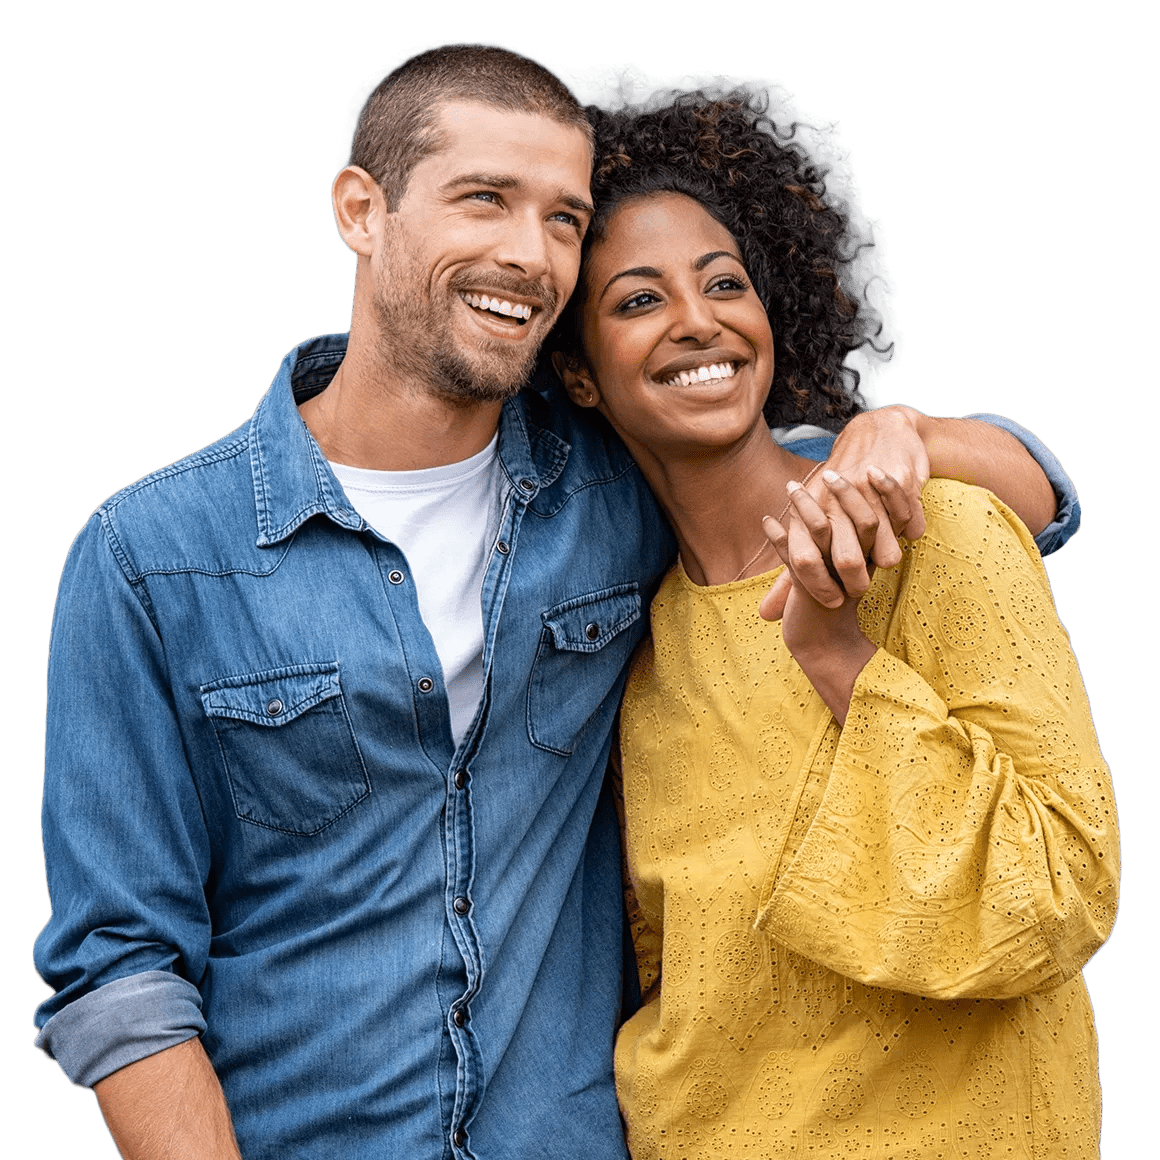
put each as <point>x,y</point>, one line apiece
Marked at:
<point>418,340</point>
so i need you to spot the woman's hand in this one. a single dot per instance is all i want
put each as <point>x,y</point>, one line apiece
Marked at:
<point>827,641</point>
<point>829,544</point>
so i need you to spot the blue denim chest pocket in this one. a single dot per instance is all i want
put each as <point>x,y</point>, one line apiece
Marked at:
<point>289,750</point>
<point>583,649</point>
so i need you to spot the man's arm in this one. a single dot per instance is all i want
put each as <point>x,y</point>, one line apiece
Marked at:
<point>975,451</point>
<point>126,855</point>
<point>910,447</point>
<point>168,1106</point>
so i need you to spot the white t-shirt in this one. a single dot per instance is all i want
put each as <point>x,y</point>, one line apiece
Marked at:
<point>444,521</point>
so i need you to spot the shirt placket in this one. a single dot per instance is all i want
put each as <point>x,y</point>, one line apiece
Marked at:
<point>462,788</point>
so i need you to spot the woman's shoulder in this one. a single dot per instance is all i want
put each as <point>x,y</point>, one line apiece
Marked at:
<point>964,519</point>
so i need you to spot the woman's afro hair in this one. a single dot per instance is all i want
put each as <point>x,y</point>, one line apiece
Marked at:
<point>799,246</point>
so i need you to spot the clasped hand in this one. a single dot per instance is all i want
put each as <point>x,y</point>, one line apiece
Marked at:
<point>846,520</point>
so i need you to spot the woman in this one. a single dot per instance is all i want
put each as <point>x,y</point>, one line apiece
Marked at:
<point>871,850</point>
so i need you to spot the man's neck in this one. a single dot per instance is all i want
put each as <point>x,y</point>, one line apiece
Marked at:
<point>371,417</point>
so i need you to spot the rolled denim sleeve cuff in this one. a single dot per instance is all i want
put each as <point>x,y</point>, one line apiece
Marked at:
<point>120,1023</point>
<point>1067,510</point>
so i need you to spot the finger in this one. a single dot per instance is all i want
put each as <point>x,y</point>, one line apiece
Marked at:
<point>810,512</point>
<point>805,560</point>
<point>772,605</point>
<point>855,523</point>
<point>864,514</point>
<point>903,503</point>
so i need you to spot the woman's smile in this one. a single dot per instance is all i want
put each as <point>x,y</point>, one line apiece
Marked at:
<point>677,343</point>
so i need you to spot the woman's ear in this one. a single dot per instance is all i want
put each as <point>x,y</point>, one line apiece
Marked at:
<point>577,380</point>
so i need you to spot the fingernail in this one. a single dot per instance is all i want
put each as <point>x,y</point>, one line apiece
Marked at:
<point>831,476</point>
<point>793,486</point>
<point>876,473</point>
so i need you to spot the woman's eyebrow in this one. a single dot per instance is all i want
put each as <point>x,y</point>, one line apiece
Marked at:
<point>705,259</point>
<point>653,272</point>
<point>633,272</point>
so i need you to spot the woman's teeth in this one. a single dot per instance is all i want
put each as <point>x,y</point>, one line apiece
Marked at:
<point>701,374</point>
<point>483,302</point>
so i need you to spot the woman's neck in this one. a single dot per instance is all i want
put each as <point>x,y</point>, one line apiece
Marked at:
<point>716,498</point>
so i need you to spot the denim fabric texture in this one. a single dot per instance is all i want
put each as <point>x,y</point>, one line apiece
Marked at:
<point>255,815</point>
<point>1067,509</point>
<point>258,828</point>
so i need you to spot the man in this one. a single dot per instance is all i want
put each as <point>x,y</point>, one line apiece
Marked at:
<point>330,700</point>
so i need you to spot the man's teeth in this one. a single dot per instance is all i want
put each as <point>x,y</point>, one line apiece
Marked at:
<point>702,374</point>
<point>496,306</point>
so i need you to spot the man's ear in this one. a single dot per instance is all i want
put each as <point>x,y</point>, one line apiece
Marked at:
<point>359,209</point>
<point>577,380</point>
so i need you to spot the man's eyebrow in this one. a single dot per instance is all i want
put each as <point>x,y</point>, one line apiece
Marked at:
<point>652,272</point>
<point>494,180</point>
<point>511,181</point>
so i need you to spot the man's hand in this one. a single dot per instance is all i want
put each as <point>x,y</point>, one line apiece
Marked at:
<point>883,457</point>
<point>826,545</point>
<point>827,641</point>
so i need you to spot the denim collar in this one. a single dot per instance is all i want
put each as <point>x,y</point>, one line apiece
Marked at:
<point>293,481</point>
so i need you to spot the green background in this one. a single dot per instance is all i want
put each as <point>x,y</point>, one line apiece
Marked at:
<point>169,238</point>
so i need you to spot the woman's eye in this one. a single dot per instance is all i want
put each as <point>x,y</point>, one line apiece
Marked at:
<point>730,282</point>
<point>641,298</point>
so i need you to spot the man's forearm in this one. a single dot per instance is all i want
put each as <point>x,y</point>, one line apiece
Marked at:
<point>977,452</point>
<point>168,1106</point>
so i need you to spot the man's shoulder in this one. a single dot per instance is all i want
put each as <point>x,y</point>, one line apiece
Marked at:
<point>595,452</point>
<point>167,520</point>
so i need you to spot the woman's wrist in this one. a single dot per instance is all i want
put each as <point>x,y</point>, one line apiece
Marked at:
<point>833,667</point>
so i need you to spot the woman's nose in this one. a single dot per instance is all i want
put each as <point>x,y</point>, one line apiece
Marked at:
<point>695,320</point>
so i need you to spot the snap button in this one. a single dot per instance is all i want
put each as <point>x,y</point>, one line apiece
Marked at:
<point>592,631</point>
<point>426,684</point>
<point>459,1015</point>
<point>274,707</point>
<point>460,1138</point>
<point>527,485</point>
<point>503,547</point>
<point>395,576</point>
<point>462,906</point>
<point>460,778</point>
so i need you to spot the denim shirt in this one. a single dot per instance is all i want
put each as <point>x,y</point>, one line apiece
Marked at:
<point>257,825</point>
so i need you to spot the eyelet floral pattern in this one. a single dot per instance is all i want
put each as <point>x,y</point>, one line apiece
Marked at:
<point>866,942</point>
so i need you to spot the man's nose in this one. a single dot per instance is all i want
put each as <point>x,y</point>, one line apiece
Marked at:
<point>524,246</point>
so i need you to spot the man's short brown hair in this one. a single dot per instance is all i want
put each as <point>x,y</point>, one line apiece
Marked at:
<point>398,125</point>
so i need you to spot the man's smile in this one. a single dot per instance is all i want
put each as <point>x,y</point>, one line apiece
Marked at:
<point>518,311</point>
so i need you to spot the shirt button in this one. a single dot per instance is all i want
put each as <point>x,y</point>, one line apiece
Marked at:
<point>460,1138</point>
<point>592,631</point>
<point>426,684</point>
<point>459,1016</point>
<point>461,904</point>
<point>460,778</point>
<point>274,707</point>
<point>395,576</point>
<point>527,485</point>
<point>503,547</point>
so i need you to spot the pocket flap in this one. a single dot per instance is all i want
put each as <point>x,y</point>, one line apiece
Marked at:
<point>588,623</point>
<point>273,697</point>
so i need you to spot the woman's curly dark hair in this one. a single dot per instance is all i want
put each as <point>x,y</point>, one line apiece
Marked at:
<point>798,248</point>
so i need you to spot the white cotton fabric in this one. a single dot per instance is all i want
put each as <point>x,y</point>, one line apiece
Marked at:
<point>444,520</point>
